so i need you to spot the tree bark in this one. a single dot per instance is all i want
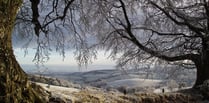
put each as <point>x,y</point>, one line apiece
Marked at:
<point>202,65</point>
<point>14,86</point>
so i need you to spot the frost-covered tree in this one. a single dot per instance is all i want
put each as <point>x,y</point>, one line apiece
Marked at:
<point>175,31</point>
<point>14,84</point>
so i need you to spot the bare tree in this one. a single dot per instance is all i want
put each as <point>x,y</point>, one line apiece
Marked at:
<point>58,25</point>
<point>143,30</point>
<point>133,30</point>
<point>52,23</point>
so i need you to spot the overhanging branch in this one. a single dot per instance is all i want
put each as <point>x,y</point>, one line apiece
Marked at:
<point>184,23</point>
<point>35,16</point>
<point>154,53</point>
<point>35,21</point>
<point>166,34</point>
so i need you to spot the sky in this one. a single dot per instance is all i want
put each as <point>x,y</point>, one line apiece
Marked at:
<point>55,58</point>
<point>57,61</point>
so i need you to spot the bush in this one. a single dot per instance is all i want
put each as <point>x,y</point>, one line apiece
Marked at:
<point>122,89</point>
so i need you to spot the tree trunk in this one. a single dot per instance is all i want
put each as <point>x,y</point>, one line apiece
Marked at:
<point>202,65</point>
<point>14,86</point>
<point>202,74</point>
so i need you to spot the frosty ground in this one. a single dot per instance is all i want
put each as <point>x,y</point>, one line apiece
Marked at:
<point>137,80</point>
<point>114,86</point>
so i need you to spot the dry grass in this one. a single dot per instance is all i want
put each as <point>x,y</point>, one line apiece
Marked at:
<point>102,97</point>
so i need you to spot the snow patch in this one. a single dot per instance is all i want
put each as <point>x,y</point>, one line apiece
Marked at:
<point>52,88</point>
<point>135,82</point>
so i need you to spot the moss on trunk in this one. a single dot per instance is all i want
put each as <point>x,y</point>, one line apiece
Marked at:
<point>14,85</point>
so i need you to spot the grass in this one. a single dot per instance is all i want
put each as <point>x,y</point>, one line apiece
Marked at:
<point>102,97</point>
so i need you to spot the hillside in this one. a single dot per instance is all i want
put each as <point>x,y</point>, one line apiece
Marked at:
<point>94,95</point>
<point>75,93</point>
<point>133,80</point>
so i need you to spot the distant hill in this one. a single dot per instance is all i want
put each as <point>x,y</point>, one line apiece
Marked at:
<point>62,91</point>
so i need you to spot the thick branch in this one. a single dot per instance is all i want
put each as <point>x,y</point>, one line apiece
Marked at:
<point>206,6</point>
<point>185,23</point>
<point>35,21</point>
<point>62,16</point>
<point>167,34</point>
<point>119,31</point>
<point>35,10</point>
<point>150,51</point>
<point>125,15</point>
<point>161,56</point>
